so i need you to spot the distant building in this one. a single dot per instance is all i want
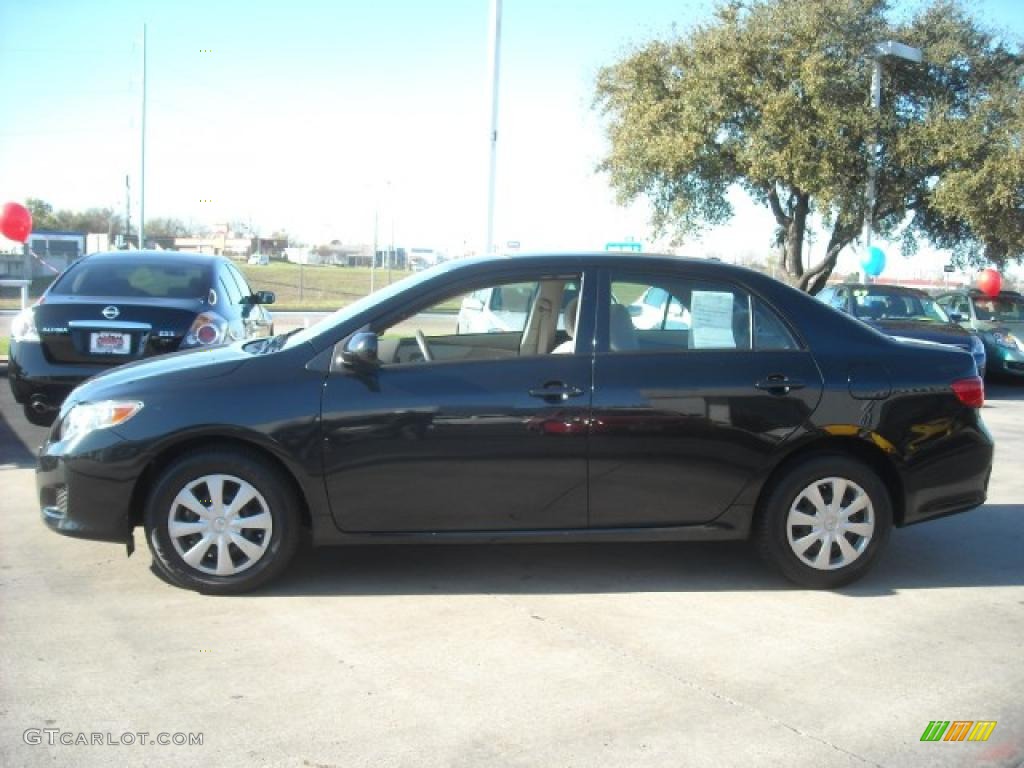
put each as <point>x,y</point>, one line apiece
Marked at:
<point>223,242</point>
<point>55,248</point>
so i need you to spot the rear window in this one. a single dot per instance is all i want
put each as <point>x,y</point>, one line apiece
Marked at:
<point>158,280</point>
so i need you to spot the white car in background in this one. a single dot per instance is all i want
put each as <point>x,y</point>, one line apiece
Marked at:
<point>503,308</point>
<point>650,312</point>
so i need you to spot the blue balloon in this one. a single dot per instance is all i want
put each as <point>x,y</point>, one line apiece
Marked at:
<point>873,261</point>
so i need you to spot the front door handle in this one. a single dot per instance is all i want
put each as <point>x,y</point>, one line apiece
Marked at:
<point>779,384</point>
<point>556,391</point>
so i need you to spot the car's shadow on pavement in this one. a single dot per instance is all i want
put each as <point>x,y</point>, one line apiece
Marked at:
<point>18,438</point>
<point>13,452</point>
<point>978,549</point>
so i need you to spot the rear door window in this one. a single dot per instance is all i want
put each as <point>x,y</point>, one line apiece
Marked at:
<point>229,291</point>
<point>243,286</point>
<point>693,314</point>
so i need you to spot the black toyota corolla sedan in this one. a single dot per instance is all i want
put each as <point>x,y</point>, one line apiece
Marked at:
<point>108,309</point>
<point>770,416</point>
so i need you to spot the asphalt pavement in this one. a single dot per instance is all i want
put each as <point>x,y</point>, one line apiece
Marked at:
<point>545,655</point>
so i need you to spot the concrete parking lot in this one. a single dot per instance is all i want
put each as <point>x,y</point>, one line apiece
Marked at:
<point>544,655</point>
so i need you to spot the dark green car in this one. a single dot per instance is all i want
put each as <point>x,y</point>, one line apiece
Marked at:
<point>998,320</point>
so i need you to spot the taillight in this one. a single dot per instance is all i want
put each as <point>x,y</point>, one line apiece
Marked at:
<point>970,392</point>
<point>208,328</point>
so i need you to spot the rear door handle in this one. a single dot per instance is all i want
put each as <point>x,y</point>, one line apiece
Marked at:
<point>779,384</point>
<point>556,391</point>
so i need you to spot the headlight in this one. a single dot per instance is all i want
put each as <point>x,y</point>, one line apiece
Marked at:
<point>23,326</point>
<point>1007,340</point>
<point>207,329</point>
<point>83,418</point>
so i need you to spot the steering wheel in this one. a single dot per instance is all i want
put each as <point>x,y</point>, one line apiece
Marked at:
<point>421,341</point>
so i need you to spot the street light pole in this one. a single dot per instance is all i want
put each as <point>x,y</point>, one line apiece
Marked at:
<point>495,61</point>
<point>142,159</point>
<point>887,50</point>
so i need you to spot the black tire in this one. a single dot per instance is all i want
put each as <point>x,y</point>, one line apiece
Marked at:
<point>275,497</point>
<point>771,531</point>
<point>44,419</point>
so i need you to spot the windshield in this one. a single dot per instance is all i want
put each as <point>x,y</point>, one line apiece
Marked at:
<point>346,313</point>
<point>143,279</point>
<point>881,304</point>
<point>1002,309</point>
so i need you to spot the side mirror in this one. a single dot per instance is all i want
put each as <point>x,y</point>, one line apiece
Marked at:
<point>264,297</point>
<point>955,317</point>
<point>361,351</point>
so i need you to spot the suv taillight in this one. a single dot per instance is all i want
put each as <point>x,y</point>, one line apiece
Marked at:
<point>970,392</point>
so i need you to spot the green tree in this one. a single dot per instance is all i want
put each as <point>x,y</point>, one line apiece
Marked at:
<point>96,220</point>
<point>772,96</point>
<point>100,220</point>
<point>42,214</point>
<point>166,227</point>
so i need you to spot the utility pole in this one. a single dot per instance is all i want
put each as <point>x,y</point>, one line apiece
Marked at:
<point>142,164</point>
<point>495,50</point>
<point>373,260</point>
<point>888,50</point>
<point>127,209</point>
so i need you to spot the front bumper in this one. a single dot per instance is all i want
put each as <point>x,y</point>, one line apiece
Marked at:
<point>85,488</point>
<point>1004,361</point>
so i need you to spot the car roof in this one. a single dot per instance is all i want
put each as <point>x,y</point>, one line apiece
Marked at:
<point>886,288</point>
<point>178,257</point>
<point>606,259</point>
<point>977,292</point>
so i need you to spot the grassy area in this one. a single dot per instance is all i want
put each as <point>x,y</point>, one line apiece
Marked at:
<point>297,287</point>
<point>301,287</point>
<point>4,341</point>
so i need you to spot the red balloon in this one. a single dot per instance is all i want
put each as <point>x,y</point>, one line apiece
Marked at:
<point>990,282</point>
<point>16,222</point>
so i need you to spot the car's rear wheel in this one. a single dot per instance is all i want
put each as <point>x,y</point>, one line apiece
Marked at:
<point>221,521</point>
<point>825,522</point>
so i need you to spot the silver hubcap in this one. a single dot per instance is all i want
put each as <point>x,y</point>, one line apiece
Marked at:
<point>220,525</point>
<point>830,523</point>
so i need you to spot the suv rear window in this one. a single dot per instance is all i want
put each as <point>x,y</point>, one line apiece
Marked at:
<point>158,280</point>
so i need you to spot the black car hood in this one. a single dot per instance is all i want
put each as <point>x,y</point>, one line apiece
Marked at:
<point>193,365</point>
<point>941,333</point>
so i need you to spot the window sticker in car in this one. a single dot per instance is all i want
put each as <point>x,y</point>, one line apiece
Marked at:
<point>711,320</point>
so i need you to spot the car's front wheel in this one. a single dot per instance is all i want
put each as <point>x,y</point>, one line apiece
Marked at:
<point>39,417</point>
<point>825,522</point>
<point>221,521</point>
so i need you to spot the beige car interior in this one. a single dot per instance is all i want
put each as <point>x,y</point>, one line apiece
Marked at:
<point>542,324</point>
<point>572,311</point>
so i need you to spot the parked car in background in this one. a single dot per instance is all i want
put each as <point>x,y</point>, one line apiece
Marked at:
<point>655,308</point>
<point>998,320</point>
<point>108,309</point>
<point>770,417</point>
<point>903,313</point>
<point>503,308</point>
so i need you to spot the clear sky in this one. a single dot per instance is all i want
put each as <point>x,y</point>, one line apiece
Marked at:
<point>318,116</point>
